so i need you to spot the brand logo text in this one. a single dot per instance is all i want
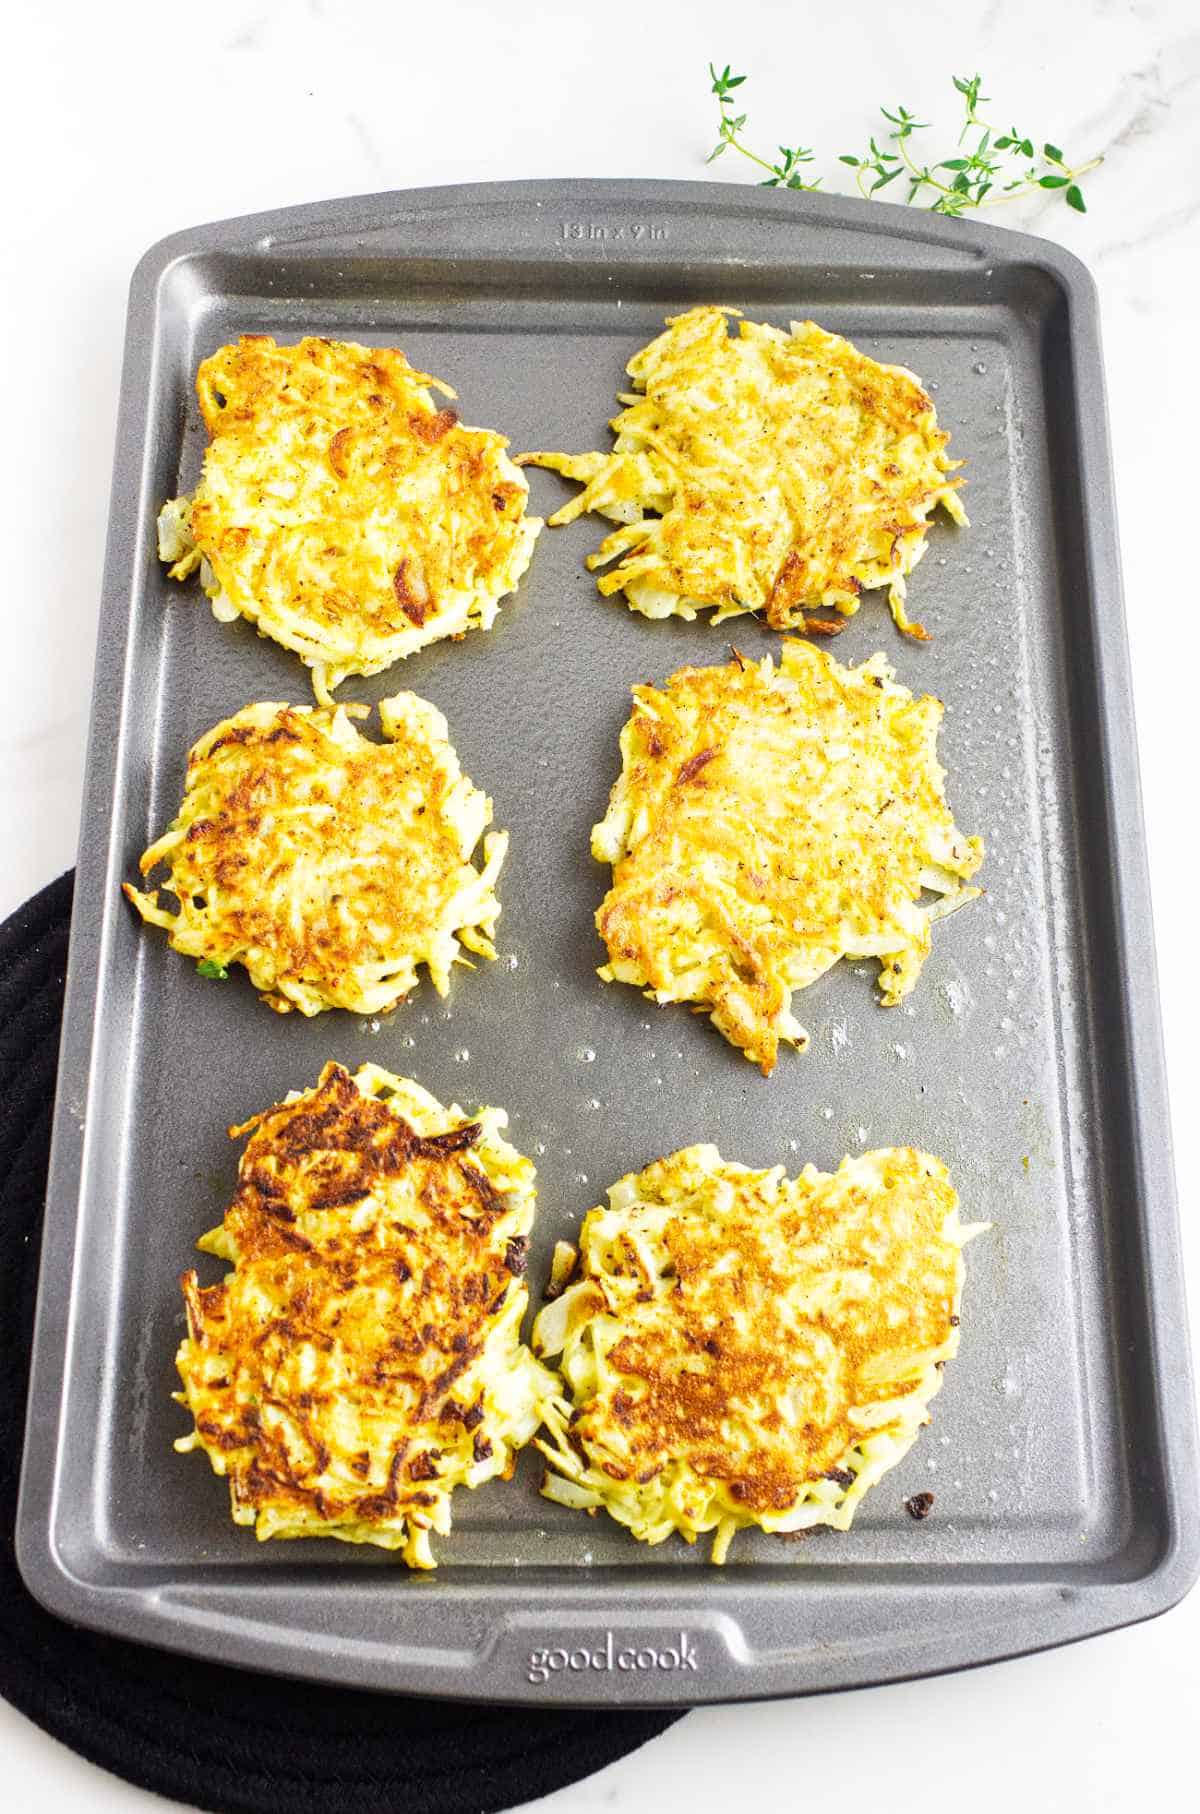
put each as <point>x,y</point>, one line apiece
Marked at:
<point>613,1653</point>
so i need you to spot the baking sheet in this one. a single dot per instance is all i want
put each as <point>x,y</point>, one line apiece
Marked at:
<point>1062,1449</point>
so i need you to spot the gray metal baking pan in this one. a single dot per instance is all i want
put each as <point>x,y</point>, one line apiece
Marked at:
<point>1062,1450</point>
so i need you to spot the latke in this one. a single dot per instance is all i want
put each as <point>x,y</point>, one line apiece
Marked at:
<point>768,821</point>
<point>329,865</point>
<point>363,1357</point>
<point>743,1348</point>
<point>343,512</point>
<point>772,472</point>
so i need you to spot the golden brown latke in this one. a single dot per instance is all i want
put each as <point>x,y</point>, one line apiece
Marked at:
<point>767,821</point>
<point>363,1358</point>
<point>341,510</point>
<point>329,865</point>
<point>769,472</point>
<point>745,1348</point>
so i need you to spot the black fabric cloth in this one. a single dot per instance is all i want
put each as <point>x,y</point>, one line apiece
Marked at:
<point>214,1737</point>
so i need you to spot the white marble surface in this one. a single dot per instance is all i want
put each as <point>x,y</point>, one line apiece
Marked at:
<point>123,123</point>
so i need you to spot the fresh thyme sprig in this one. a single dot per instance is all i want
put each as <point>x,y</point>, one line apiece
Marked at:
<point>783,175</point>
<point>990,166</point>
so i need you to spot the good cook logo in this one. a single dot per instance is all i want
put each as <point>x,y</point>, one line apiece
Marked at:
<point>612,1654</point>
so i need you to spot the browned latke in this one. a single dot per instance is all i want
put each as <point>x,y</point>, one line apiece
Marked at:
<point>742,1347</point>
<point>340,510</point>
<point>337,1374</point>
<point>328,864</point>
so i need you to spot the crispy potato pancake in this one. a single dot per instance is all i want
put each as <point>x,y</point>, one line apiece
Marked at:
<point>329,865</point>
<point>771,472</point>
<point>343,512</point>
<point>363,1358</point>
<point>742,1348</point>
<point>768,821</point>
